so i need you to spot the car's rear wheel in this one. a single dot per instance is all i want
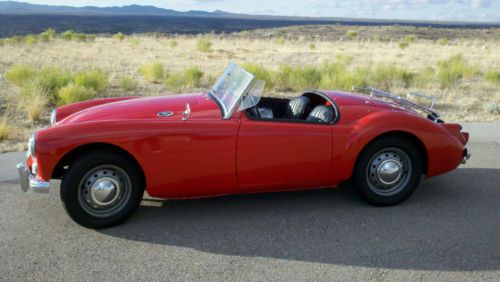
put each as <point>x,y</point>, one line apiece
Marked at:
<point>388,171</point>
<point>101,189</point>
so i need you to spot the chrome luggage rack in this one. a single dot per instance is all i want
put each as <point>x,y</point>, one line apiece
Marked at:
<point>403,102</point>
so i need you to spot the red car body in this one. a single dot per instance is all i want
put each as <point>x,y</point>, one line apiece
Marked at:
<point>206,155</point>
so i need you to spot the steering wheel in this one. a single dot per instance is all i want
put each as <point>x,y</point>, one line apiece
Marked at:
<point>255,111</point>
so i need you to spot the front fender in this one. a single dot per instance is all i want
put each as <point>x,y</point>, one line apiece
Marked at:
<point>67,110</point>
<point>443,151</point>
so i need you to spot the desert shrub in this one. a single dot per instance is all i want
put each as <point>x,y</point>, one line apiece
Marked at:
<point>119,36</point>
<point>67,35</point>
<point>453,70</point>
<point>16,39</point>
<point>281,41</point>
<point>153,72</point>
<point>3,42</point>
<point>73,93</point>
<point>5,129</point>
<point>51,79</point>
<point>409,38</point>
<point>403,45</point>
<point>173,43</point>
<point>282,78</point>
<point>35,106</point>
<point>127,83</point>
<point>302,78</point>
<point>203,45</point>
<point>424,77</point>
<point>492,76</point>
<point>493,108</point>
<point>79,37</point>
<point>386,77</point>
<point>351,34</point>
<point>443,41</point>
<point>261,73</point>
<point>20,74</point>
<point>30,39</point>
<point>345,59</point>
<point>175,81</point>
<point>193,76</point>
<point>312,46</point>
<point>47,35</point>
<point>95,79</point>
<point>244,33</point>
<point>90,37</point>
<point>337,76</point>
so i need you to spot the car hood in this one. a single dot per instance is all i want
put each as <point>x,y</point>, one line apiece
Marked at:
<point>147,108</point>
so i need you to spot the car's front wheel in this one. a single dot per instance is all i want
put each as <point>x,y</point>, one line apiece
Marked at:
<point>101,189</point>
<point>388,171</point>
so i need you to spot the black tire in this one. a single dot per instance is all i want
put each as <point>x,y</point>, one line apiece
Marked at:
<point>74,193</point>
<point>369,173</point>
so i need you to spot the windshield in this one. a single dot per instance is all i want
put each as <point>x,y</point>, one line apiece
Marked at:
<point>234,83</point>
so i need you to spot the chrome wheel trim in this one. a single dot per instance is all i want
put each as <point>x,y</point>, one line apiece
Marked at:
<point>104,191</point>
<point>388,171</point>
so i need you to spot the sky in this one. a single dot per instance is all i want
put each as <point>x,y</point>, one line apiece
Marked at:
<point>458,10</point>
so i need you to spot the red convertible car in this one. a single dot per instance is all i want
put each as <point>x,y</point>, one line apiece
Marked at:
<point>229,140</point>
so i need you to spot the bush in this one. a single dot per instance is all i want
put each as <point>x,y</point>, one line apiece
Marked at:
<point>49,80</point>
<point>403,45</point>
<point>35,106</point>
<point>492,76</point>
<point>67,35</point>
<point>337,76</point>
<point>443,41</point>
<point>282,78</point>
<point>120,36</point>
<point>173,44</point>
<point>175,81</point>
<point>96,80</point>
<point>453,70</point>
<point>386,77</point>
<point>49,34</point>
<point>153,72</point>
<point>302,78</point>
<point>203,45</point>
<point>5,130</point>
<point>351,34</point>
<point>425,77</point>
<point>193,76</point>
<point>20,74</point>
<point>260,73</point>
<point>409,38</point>
<point>312,46</point>
<point>73,93</point>
<point>127,83</point>
<point>280,41</point>
<point>30,39</point>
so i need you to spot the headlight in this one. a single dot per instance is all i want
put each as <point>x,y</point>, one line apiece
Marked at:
<point>53,117</point>
<point>31,145</point>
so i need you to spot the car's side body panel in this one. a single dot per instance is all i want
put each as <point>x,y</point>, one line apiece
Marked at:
<point>206,155</point>
<point>283,154</point>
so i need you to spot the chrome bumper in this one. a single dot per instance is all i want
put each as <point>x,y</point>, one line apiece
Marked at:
<point>467,155</point>
<point>28,181</point>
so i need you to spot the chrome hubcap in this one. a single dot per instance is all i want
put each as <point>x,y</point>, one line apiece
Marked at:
<point>104,191</point>
<point>389,171</point>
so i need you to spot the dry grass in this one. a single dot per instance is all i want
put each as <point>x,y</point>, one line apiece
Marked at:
<point>463,87</point>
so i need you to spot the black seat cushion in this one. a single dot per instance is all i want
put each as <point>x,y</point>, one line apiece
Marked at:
<point>297,107</point>
<point>321,114</point>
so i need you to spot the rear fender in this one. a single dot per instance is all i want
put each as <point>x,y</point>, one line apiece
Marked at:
<point>442,151</point>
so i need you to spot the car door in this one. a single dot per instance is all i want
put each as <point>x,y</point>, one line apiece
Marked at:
<point>283,154</point>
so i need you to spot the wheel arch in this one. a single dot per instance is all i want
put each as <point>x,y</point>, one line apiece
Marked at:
<point>419,144</point>
<point>71,156</point>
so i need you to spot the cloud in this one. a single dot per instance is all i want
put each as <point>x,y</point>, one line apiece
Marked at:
<point>481,3</point>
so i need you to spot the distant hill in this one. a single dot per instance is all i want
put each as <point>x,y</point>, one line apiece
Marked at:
<point>21,8</point>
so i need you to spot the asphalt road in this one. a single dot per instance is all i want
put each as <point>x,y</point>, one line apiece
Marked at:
<point>449,230</point>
